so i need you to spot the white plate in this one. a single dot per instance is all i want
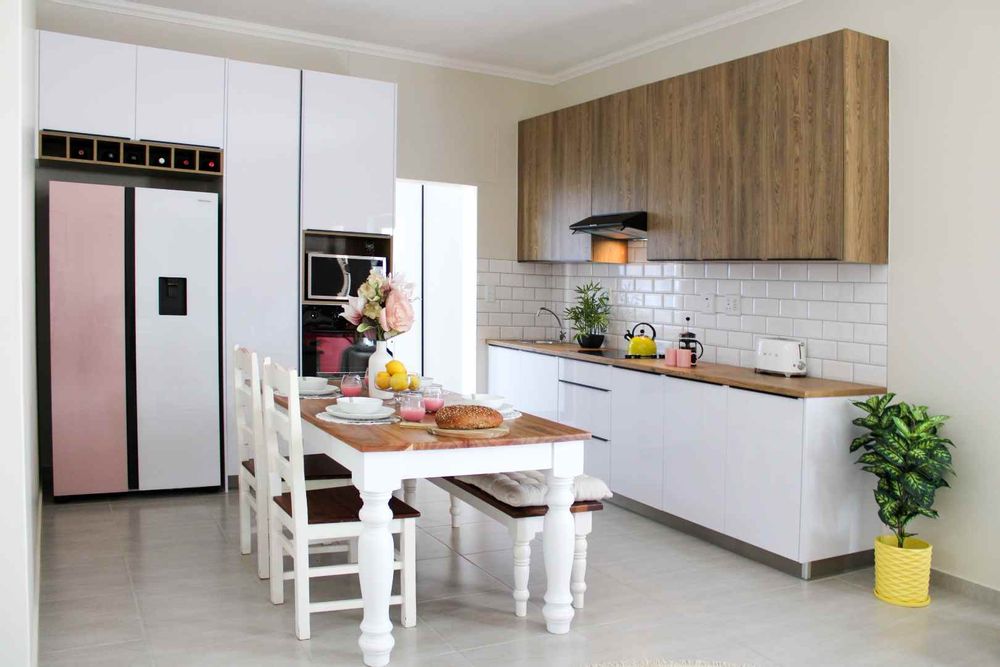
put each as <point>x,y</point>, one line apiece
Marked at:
<point>508,416</point>
<point>382,413</point>
<point>503,409</point>
<point>327,417</point>
<point>319,392</point>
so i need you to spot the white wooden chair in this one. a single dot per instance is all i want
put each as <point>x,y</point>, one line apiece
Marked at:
<point>302,517</point>
<point>320,470</point>
<point>523,524</point>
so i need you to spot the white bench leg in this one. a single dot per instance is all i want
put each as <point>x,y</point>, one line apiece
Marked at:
<point>410,492</point>
<point>245,500</point>
<point>578,580</point>
<point>263,531</point>
<point>455,510</point>
<point>277,560</point>
<point>522,536</point>
<point>408,576</point>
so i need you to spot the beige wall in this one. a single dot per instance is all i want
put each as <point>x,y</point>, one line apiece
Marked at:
<point>454,126</point>
<point>944,223</point>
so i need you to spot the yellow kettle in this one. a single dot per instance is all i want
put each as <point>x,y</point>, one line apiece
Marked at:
<point>639,344</point>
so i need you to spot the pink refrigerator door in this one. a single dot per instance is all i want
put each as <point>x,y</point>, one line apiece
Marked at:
<point>87,325</point>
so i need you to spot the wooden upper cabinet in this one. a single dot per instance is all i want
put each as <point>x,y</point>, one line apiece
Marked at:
<point>554,163</point>
<point>780,155</point>
<point>620,152</point>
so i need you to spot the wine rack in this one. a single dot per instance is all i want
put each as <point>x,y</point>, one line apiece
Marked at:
<point>115,152</point>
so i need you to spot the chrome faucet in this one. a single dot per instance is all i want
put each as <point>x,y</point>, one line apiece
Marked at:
<point>562,332</point>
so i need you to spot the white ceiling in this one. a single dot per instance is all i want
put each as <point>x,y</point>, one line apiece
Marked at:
<point>538,40</point>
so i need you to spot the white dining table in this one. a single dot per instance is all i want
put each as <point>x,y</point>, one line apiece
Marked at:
<point>382,457</point>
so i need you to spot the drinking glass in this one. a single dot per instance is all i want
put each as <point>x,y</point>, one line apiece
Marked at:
<point>350,385</point>
<point>433,397</point>
<point>412,408</point>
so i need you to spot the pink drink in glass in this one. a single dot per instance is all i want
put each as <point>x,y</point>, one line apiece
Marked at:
<point>433,398</point>
<point>412,410</point>
<point>350,385</point>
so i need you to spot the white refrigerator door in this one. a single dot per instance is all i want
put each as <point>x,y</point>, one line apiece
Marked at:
<point>177,355</point>
<point>408,262</point>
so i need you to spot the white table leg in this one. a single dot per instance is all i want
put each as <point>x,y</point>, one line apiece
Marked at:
<point>375,558</point>
<point>557,548</point>
<point>410,492</point>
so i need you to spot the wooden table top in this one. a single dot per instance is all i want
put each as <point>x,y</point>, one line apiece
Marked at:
<point>732,376</point>
<point>527,430</point>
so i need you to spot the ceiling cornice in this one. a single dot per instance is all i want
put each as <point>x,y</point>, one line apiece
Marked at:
<point>207,21</point>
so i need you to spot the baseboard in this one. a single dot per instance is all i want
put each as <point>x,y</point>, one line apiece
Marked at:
<point>827,567</point>
<point>978,592</point>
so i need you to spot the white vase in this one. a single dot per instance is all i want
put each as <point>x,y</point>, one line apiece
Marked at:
<point>377,363</point>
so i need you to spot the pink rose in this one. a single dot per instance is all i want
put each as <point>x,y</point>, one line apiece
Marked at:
<point>397,315</point>
<point>352,310</point>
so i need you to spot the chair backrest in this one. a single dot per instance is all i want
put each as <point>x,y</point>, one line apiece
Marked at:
<point>286,425</point>
<point>249,416</point>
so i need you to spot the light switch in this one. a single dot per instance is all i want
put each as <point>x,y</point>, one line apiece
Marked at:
<point>707,303</point>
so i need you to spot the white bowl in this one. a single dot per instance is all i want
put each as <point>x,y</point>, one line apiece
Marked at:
<point>359,405</point>
<point>312,384</point>
<point>494,401</point>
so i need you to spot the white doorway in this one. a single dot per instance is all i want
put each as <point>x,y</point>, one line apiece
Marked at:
<point>434,247</point>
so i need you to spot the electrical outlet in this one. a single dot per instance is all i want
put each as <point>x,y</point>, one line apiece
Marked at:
<point>707,303</point>
<point>731,305</point>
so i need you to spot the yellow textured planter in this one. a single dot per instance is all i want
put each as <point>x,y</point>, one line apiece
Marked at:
<point>902,576</point>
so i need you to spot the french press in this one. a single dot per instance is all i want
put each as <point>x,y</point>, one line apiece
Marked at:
<point>688,344</point>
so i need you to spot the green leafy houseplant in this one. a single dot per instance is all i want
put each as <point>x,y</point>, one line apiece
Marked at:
<point>903,448</point>
<point>591,312</point>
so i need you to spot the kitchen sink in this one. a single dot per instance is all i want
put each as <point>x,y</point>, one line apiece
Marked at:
<point>544,342</point>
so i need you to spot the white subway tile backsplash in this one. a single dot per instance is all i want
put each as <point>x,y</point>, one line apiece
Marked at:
<point>854,273</point>
<point>853,312</point>
<point>822,272</point>
<point>840,309</point>
<point>764,271</point>
<point>871,333</point>
<point>780,290</point>
<point>871,292</point>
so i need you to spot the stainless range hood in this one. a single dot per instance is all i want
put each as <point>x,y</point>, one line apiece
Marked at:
<point>619,226</point>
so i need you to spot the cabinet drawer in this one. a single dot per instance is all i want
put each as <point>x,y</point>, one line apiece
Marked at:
<point>581,372</point>
<point>586,408</point>
<point>597,459</point>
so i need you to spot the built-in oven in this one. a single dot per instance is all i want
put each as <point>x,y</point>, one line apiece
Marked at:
<point>330,344</point>
<point>331,277</point>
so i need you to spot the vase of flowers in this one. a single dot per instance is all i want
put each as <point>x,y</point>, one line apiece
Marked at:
<point>382,309</point>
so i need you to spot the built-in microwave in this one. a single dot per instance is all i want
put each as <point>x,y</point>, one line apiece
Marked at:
<point>337,277</point>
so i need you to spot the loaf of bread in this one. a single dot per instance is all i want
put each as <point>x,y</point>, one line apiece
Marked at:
<point>466,417</point>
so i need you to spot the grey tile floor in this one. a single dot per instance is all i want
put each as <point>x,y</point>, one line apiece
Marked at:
<point>160,581</point>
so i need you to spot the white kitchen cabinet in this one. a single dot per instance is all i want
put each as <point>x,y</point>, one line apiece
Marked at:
<point>637,436</point>
<point>529,380</point>
<point>597,458</point>
<point>694,451</point>
<point>261,217</point>
<point>585,408</point>
<point>86,85</point>
<point>180,97</point>
<point>764,470</point>
<point>348,153</point>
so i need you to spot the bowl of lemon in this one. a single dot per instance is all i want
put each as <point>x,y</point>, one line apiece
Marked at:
<point>397,379</point>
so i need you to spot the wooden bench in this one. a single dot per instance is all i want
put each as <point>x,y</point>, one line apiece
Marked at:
<point>524,523</point>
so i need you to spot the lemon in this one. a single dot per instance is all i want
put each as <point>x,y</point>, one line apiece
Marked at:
<point>395,367</point>
<point>414,382</point>
<point>382,380</point>
<point>399,381</point>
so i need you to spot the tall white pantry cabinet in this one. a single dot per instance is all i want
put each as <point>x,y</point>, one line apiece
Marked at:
<point>302,150</point>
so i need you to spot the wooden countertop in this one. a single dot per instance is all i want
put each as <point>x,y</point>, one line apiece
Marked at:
<point>527,430</point>
<point>732,376</point>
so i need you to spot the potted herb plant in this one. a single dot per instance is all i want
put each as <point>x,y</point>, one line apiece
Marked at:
<point>590,314</point>
<point>904,449</point>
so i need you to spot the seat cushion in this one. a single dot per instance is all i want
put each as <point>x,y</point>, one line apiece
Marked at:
<point>528,488</point>
<point>521,512</point>
<point>317,466</point>
<point>340,505</point>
